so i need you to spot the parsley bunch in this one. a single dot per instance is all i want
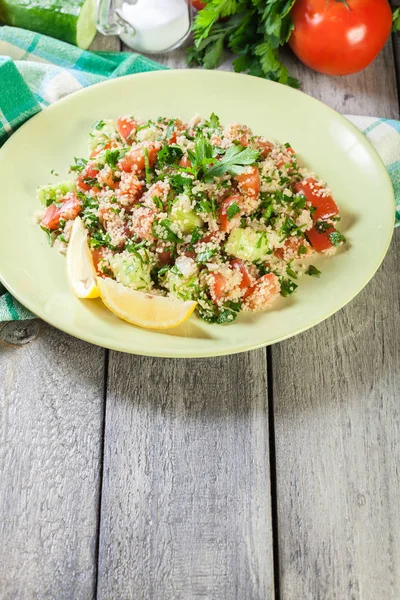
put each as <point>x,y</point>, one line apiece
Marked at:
<point>252,29</point>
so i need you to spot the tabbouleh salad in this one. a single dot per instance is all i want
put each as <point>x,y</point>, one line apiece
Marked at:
<point>196,211</point>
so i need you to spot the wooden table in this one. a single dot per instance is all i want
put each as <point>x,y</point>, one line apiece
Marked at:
<point>268,474</point>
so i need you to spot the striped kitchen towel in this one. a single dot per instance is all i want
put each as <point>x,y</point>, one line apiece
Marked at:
<point>36,70</point>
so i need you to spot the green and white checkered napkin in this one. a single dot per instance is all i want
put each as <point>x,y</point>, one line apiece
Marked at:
<point>36,70</point>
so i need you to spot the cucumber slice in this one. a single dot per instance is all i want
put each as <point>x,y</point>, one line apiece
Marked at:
<point>183,215</point>
<point>132,272</point>
<point>73,21</point>
<point>47,194</point>
<point>247,244</point>
<point>187,220</point>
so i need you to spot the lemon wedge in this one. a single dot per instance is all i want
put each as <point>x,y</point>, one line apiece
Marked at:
<point>145,310</point>
<point>80,268</point>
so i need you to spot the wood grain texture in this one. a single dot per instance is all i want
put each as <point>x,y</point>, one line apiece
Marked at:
<point>51,416</point>
<point>336,407</point>
<point>186,492</point>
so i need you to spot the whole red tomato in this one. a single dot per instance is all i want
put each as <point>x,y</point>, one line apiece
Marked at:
<point>339,37</point>
<point>198,4</point>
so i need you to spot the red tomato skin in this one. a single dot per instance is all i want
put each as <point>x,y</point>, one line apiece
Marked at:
<point>97,255</point>
<point>218,286</point>
<point>51,217</point>
<point>134,160</point>
<point>90,172</point>
<point>270,278</point>
<point>240,266</point>
<point>126,127</point>
<point>70,209</point>
<point>223,214</point>
<point>164,257</point>
<point>325,205</point>
<point>334,39</point>
<point>319,241</point>
<point>198,5</point>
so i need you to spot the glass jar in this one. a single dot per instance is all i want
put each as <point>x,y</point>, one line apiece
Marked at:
<point>146,25</point>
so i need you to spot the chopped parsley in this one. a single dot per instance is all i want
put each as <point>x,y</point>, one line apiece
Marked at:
<point>337,238</point>
<point>180,183</point>
<point>204,257</point>
<point>323,226</point>
<point>99,125</point>
<point>287,287</point>
<point>112,157</point>
<point>169,155</point>
<point>163,230</point>
<point>313,271</point>
<point>80,164</point>
<point>232,210</point>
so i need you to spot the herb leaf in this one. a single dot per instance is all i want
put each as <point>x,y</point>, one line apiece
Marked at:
<point>112,157</point>
<point>80,164</point>
<point>313,271</point>
<point>169,155</point>
<point>252,29</point>
<point>337,238</point>
<point>232,210</point>
<point>233,162</point>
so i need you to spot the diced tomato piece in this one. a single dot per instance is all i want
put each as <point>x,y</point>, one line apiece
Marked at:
<point>291,248</point>
<point>109,180</point>
<point>51,218</point>
<point>97,255</point>
<point>240,266</point>
<point>210,237</point>
<point>70,209</point>
<point>126,127</point>
<point>189,254</point>
<point>164,257</point>
<point>172,139</point>
<point>266,286</point>
<point>185,162</point>
<point>90,172</point>
<point>249,182</point>
<point>223,211</point>
<point>325,206</point>
<point>319,241</point>
<point>264,147</point>
<point>217,286</point>
<point>134,160</point>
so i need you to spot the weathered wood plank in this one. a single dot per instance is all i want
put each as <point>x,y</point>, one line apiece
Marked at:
<point>336,407</point>
<point>51,418</point>
<point>186,492</point>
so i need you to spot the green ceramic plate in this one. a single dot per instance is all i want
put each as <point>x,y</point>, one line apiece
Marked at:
<point>326,143</point>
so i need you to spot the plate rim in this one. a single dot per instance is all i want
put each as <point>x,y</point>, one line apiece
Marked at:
<point>246,347</point>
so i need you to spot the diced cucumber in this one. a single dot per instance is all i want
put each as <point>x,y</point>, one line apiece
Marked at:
<point>47,194</point>
<point>187,220</point>
<point>183,215</point>
<point>101,131</point>
<point>247,244</point>
<point>73,21</point>
<point>132,271</point>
